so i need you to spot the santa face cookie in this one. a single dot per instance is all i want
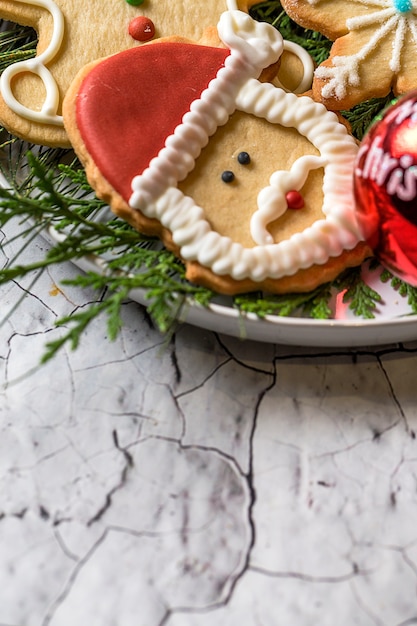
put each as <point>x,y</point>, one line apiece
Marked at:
<point>73,33</point>
<point>374,50</point>
<point>251,186</point>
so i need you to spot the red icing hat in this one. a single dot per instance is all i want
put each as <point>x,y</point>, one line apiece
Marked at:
<point>129,103</point>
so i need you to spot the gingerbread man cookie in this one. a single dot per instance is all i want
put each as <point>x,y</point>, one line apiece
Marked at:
<point>250,185</point>
<point>374,50</point>
<point>72,33</point>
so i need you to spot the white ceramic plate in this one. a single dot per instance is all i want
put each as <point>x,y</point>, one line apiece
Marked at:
<point>300,331</point>
<point>393,322</point>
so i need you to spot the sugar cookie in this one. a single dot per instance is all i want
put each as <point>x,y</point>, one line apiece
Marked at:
<point>250,185</point>
<point>72,33</point>
<point>374,50</point>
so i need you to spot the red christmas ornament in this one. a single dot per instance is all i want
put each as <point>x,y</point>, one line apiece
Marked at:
<point>385,182</point>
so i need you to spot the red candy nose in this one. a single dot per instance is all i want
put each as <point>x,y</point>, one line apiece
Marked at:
<point>142,28</point>
<point>295,200</point>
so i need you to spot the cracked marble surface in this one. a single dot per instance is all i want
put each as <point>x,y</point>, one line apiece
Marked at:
<point>205,481</point>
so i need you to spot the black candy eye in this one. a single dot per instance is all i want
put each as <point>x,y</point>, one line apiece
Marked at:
<point>243,158</point>
<point>228,176</point>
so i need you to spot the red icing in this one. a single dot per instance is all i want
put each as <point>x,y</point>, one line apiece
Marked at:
<point>131,102</point>
<point>141,28</point>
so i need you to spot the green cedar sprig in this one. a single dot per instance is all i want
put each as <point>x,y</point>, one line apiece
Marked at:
<point>317,304</point>
<point>61,198</point>
<point>16,44</point>
<point>363,115</point>
<point>362,299</point>
<point>314,304</point>
<point>167,296</point>
<point>404,289</point>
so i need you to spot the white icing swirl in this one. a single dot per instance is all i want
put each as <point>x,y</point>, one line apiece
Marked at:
<point>307,64</point>
<point>157,196</point>
<point>49,111</point>
<point>254,42</point>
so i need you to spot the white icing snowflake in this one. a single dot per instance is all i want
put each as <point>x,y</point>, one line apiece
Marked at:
<point>388,20</point>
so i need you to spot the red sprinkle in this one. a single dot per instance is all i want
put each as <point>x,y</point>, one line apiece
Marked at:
<point>142,28</point>
<point>294,200</point>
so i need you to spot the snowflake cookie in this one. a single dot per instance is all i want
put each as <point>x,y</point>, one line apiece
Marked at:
<point>72,33</point>
<point>374,50</point>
